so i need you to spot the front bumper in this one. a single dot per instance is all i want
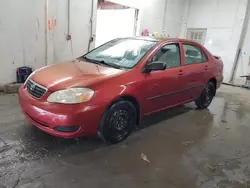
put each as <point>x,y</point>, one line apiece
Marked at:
<point>47,116</point>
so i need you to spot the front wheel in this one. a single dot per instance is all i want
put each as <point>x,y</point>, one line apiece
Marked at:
<point>206,96</point>
<point>117,122</point>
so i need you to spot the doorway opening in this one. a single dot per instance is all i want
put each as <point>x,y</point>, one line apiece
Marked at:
<point>114,21</point>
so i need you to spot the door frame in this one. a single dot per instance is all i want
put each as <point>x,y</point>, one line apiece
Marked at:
<point>173,69</point>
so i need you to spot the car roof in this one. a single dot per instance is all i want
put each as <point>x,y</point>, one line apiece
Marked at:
<point>161,39</point>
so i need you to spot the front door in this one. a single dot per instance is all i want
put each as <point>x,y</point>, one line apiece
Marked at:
<point>162,86</point>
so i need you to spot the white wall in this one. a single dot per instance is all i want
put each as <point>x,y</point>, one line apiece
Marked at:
<point>22,36</point>
<point>223,20</point>
<point>174,16</point>
<point>163,16</point>
<point>152,15</point>
<point>61,49</point>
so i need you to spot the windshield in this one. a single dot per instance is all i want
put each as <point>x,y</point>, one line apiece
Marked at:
<point>123,53</point>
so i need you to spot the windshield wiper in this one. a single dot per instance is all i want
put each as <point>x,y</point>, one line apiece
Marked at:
<point>88,59</point>
<point>109,64</point>
<point>102,62</point>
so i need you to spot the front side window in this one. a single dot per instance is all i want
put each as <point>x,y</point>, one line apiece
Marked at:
<point>123,53</point>
<point>169,54</point>
<point>193,54</point>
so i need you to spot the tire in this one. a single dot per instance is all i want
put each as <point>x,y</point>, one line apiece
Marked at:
<point>206,96</point>
<point>117,122</point>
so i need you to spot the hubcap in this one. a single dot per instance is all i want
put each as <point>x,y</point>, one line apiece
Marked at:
<point>120,120</point>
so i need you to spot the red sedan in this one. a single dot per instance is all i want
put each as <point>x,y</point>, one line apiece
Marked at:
<point>108,90</point>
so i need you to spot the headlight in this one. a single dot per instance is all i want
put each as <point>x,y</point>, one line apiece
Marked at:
<point>71,96</point>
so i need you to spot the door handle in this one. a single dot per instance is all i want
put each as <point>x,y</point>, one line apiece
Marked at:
<point>180,72</point>
<point>206,67</point>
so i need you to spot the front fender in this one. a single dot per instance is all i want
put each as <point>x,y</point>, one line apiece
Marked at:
<point>109,94</point>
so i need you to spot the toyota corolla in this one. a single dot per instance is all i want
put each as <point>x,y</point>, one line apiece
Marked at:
<point>108,90</point>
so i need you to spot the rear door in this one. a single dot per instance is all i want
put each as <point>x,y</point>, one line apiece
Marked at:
<point>162,86</point>
<point>195,65</point>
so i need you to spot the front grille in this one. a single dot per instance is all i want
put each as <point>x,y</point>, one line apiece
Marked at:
<point>35,89</point>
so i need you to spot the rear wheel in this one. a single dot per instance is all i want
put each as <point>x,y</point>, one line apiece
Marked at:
<point>117,122</point>
<point>206,96</point>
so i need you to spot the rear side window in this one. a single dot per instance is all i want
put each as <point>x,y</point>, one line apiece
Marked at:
<point>193,54</point>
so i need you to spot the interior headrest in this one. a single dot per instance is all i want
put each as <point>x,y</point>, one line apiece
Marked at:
<point>192,53</point>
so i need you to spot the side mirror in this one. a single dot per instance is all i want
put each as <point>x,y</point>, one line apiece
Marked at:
<point>156,66</point>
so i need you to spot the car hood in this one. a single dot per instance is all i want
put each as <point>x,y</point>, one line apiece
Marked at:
<point>73,74</point>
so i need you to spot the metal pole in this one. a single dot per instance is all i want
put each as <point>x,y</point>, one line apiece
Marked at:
<point>68,17</point>
<point>46,31</point>
<point>164,18</point>
<point>91,25</point>
<point>241,42</point>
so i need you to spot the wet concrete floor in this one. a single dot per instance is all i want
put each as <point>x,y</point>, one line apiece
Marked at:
<point>179,148</point>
